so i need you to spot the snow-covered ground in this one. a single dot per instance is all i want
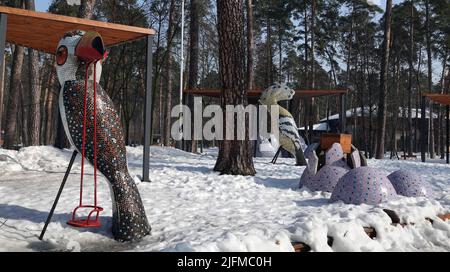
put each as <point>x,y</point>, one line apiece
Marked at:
<point>191,208</point>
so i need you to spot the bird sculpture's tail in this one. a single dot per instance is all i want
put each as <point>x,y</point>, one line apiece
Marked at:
<point>129,219</point>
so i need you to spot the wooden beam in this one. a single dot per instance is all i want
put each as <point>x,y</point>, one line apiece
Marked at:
<point>443,99</point>
<point>258,92</point>
<point>42,31</point>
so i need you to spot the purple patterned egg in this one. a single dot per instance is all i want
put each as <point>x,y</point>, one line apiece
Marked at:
<point>305,178</point>
<point>313,162</point>
<point>363,185</point>
<point>326,179</point>
<point>408,183</point>
<point>334,154</point>
<point>356,159</point>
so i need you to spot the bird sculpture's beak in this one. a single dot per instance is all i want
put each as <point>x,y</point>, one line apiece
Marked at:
<point>91,47</point>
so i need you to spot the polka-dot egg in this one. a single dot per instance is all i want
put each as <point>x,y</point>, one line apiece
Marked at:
<point>408,183</point>
<point>326,179</point>
<point>363,185</point>
<point>305,178</point>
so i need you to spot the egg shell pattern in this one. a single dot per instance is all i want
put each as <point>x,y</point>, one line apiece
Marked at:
<point>334,154</point>
<point>313,162</point>
<point>326,179</point>
<point>305,178</point>
<point>410,184</point>
<point>356,159</point>
<point>363,185</point>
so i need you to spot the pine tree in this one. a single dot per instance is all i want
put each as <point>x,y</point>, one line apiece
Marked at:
<point>235,156</point>
<point>382,111</point>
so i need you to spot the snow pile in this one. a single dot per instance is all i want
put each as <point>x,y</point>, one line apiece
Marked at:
<point>191,208</point>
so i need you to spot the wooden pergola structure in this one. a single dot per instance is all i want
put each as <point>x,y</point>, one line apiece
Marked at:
<point>443,99</point>
<point>42,31</point>
<point>254,94</point>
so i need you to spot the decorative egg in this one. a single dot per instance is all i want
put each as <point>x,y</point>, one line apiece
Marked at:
<point>326,178</point>
<point>409,183</point>
<point>305,178</point>
<point>363,185</point>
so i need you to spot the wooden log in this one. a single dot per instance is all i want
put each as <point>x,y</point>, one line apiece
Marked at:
<point>444,217</point>
<point>393,215</point>
<point>371,232</point>
<point>301,247</point>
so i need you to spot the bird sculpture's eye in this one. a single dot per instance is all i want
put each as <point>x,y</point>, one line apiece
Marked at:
<point>61,55</point>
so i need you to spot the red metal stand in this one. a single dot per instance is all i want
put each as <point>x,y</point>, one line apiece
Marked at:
<point>90,221</point>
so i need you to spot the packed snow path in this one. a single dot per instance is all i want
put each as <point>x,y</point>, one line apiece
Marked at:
<point>191,208</point>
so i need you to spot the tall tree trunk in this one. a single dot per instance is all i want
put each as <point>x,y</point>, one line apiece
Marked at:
<point>306,70</point>
<point>86,9</point>
<point>296,103</point>
<point>395,106</point>
<point>417,133</point>
<point>169,75</point>
<point>35,90</point>
<point>381,132</point>
<point>280,53</point>
<point>161,110</point>
<point>25,114</point>
<point>250,46</point>
<point>313,70</point>
<point>430,74</point>
<point>47,107</point>
<point>15,89</point>
<point>193,63</point>
<point>269,75</point>
<point>410,80</point>
<point>441,115</point>
<point>2,95</point>
<point>235,156</point>
<point>350,47</point>
<point>50,107</point>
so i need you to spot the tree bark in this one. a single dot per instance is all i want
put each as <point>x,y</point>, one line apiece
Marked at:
<point>15,89</point>
<point>381,132</point>
<point>169,75</point>
<point>410,80</point>
<point>161,110</point>
<point>2,95</point>
<point>51,106</point>
<point>25,116</point>
<point>235,157</point>
<point>441,115</point>
<point>193,64</point>
<point>430,74</point>
<point>35,90</point>
<point>86,9</point>
<point>313,71</point>
<point>250,46</point>
<point>269,75</point>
